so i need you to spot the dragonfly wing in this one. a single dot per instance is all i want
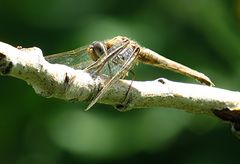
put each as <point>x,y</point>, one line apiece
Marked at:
<point>119,73</point>
<point>107,56</point>
<point>77,58</point>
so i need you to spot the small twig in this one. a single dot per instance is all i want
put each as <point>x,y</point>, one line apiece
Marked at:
<point>63,82</point>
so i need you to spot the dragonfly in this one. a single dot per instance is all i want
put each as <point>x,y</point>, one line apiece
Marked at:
<point>114,58</point>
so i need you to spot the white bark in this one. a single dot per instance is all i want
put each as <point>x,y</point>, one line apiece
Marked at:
<point>63,82</point>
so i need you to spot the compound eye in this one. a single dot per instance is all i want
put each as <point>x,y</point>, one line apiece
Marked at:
<point>98,48</point>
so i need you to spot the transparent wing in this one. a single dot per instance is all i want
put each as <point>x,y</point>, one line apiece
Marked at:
<point>117,62</point>
<point>110,53</point>
<point>77,58</point>
<point>110,63</point>
<point>119,70</point>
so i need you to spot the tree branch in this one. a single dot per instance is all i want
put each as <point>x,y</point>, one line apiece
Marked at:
<point>63,82</point>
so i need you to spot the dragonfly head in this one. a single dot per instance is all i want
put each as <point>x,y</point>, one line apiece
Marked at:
<point>97,49</point>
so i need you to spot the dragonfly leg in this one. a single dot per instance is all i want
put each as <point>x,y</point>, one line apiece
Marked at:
<point>110,70</point>
<point>124,104</point>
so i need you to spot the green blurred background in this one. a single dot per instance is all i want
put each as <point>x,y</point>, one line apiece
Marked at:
<point>201,34</point>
